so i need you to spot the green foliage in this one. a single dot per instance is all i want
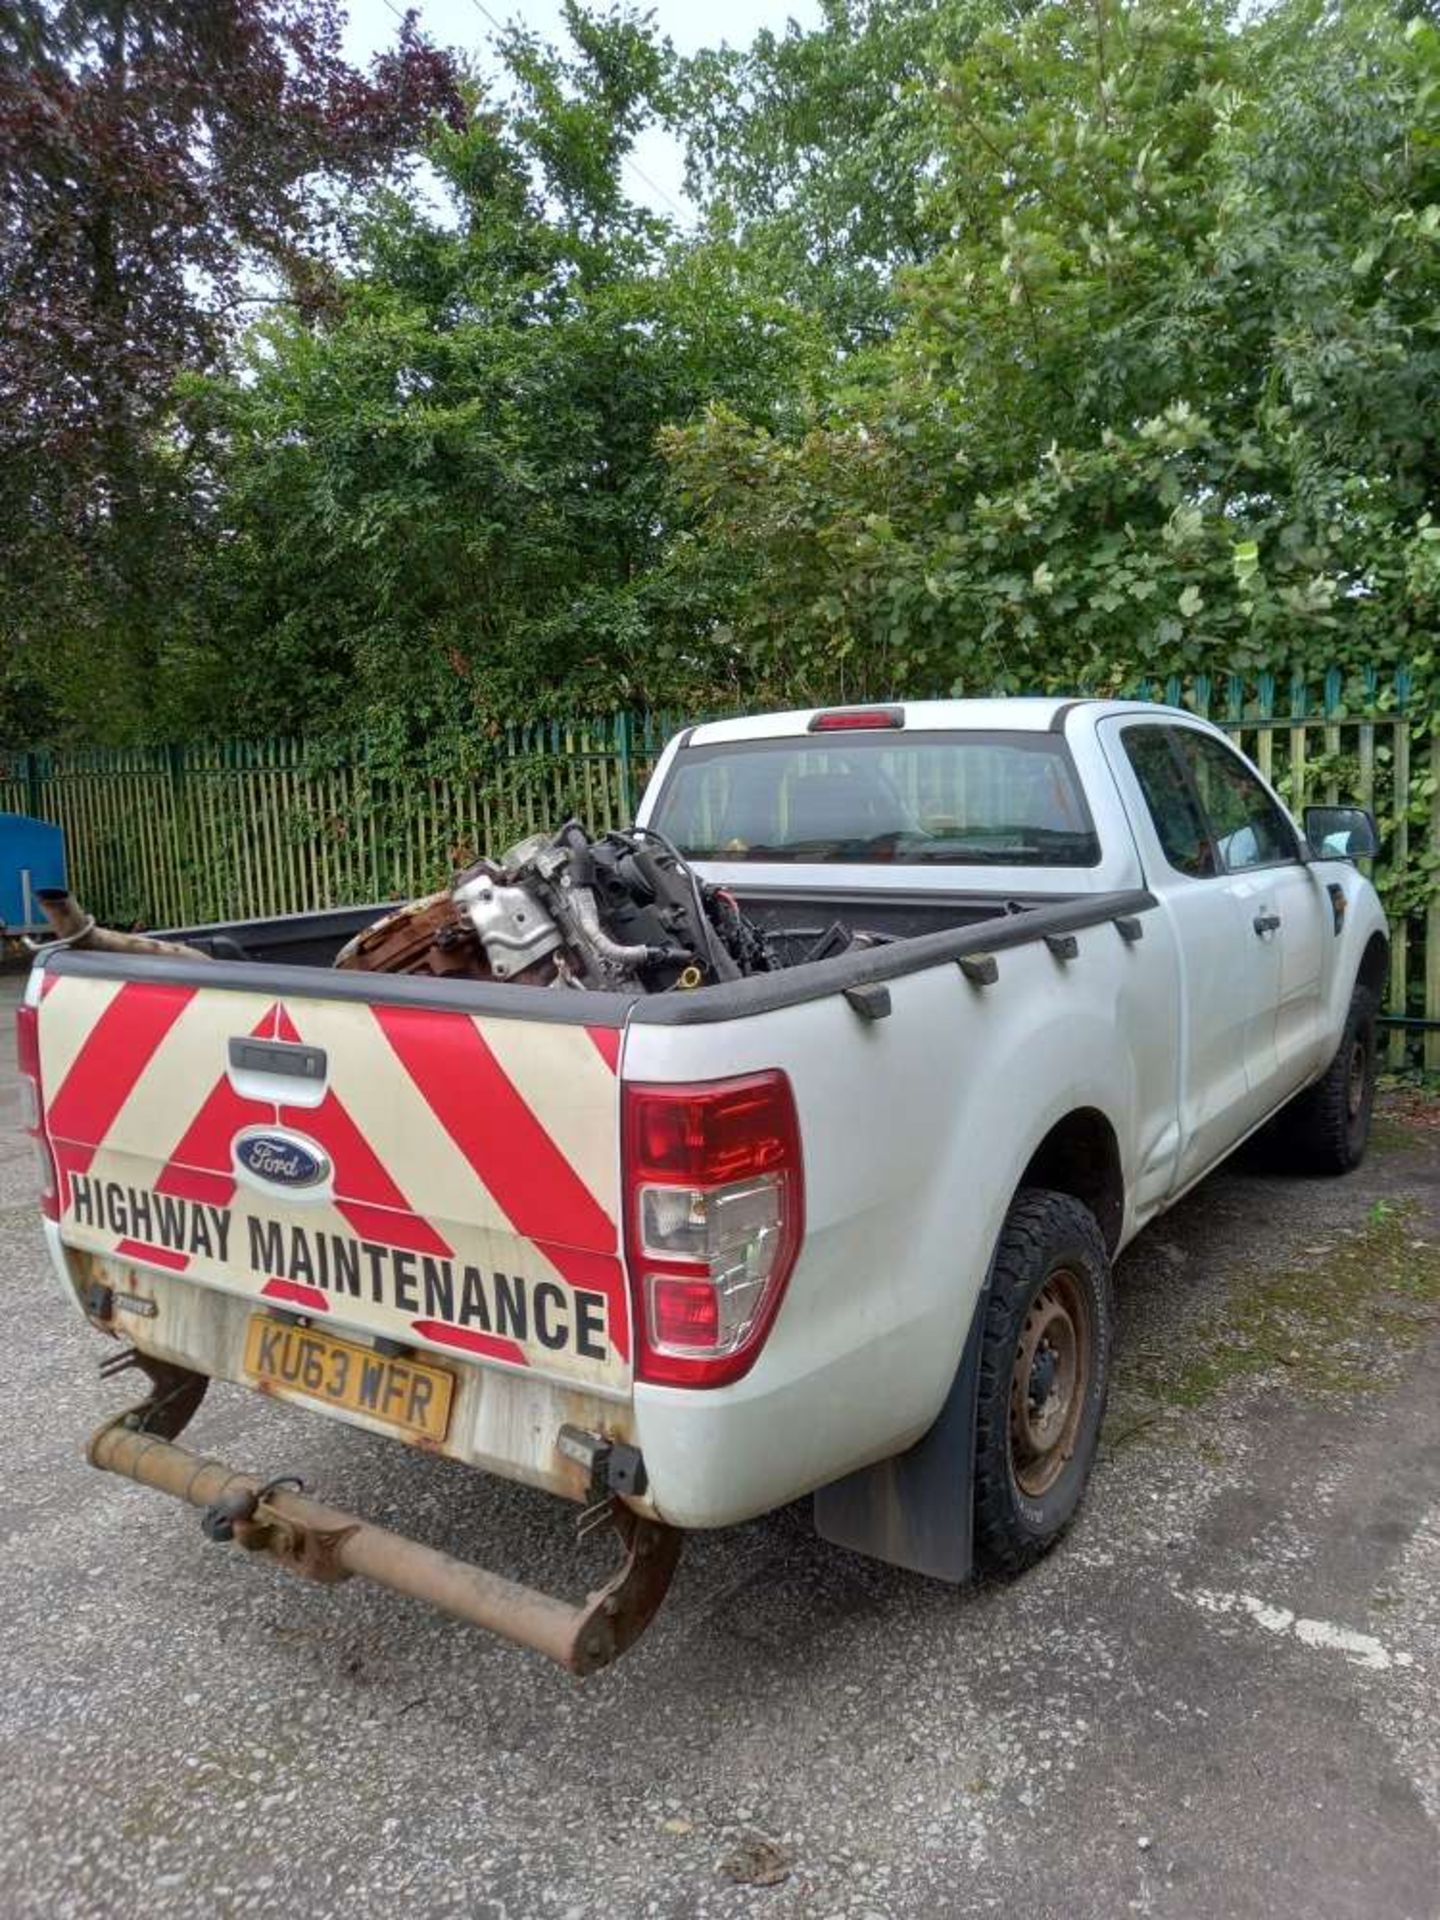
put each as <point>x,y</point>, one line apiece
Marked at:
<point>1021,345</point>
<point>579,116</point>
<point>814,150</point>
<point>1164,401</point>
<point>444,508</point>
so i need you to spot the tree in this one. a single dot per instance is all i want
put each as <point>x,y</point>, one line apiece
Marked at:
<point>1020,342</point>
<point>441,505</point>
<point>815,150</point>
<point>1163,401</point>
<point>159,161</point>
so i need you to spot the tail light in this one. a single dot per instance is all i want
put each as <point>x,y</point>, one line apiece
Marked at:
<point>715,1215</point>
<point>32,1105</point>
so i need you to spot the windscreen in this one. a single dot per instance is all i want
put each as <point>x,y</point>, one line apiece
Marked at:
<point>961,799</point>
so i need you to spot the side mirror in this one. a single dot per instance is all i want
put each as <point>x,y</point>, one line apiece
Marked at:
<point>1341,833</point>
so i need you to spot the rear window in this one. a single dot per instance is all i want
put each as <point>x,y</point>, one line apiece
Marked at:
<point>959,799</point>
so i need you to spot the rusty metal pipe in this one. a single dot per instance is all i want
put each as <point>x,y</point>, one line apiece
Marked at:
<point>326,1544</point>
<point>76,929</point>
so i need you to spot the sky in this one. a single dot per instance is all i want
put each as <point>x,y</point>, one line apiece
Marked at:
<point>656,175</point>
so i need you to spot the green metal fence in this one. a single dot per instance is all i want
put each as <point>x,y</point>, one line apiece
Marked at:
<point>169,836</point>
<point>235,829</point>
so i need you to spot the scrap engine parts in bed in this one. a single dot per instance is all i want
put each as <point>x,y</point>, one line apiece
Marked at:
<point>623,910</point>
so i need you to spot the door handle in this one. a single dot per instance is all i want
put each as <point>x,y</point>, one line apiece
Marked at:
<point>1267,923</point>
<point>283,1058</point>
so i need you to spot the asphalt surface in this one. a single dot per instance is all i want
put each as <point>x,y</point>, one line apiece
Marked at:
<point>1217,1698</point>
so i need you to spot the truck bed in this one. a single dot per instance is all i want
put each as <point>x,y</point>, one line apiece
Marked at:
<point>314,939</point>
<point>916,930</point>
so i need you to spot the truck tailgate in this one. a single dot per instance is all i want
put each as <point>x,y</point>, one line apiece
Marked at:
<point>433,1177</point>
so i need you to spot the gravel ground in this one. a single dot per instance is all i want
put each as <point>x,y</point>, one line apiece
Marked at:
<point>1217,1698</point>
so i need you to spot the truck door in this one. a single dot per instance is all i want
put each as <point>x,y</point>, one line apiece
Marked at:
<point>1229,983</point>
<point>1290,912</point>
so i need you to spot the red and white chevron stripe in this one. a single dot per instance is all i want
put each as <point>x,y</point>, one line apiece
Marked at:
<point>484,1143</point>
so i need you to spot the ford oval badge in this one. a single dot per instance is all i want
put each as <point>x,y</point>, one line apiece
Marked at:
<point>279,1159</point>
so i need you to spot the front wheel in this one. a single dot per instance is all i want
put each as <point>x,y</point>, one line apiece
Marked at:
<point>1044,1374</point>
<point>1326,1129</point>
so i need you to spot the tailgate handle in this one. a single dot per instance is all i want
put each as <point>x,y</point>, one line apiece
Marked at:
<point>284,1058</point>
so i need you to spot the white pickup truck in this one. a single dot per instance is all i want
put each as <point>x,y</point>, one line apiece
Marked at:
<point>842,1229</point>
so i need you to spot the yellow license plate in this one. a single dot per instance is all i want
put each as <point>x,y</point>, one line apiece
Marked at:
<point>403,1393</point>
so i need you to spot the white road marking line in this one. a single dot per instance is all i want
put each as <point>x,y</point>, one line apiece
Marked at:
<point>1361,1649</point>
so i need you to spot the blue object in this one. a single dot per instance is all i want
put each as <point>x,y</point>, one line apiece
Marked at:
<point>32,855</point>
<point>280,1159</point>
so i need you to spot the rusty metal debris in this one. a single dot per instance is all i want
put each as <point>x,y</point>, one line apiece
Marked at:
<point>175,1392</point>
<point>621,910</point>
<point>75,928</point>
<point>426,936</point>
<point>325,1544</point>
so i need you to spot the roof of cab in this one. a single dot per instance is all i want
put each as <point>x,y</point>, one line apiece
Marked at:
<point>1006,715</point>
<point>1013,714</point>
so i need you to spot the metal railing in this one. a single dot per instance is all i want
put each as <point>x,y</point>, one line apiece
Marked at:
<point>247,829</point>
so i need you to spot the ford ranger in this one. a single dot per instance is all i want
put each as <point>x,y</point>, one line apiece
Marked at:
<point>843,1227</point>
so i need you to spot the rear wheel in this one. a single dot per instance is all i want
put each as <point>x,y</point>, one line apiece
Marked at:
<point>1327,1128</point>
<point>1044,1373</point>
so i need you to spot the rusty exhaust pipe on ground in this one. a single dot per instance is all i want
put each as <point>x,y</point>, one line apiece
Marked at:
<point>325,1544</point>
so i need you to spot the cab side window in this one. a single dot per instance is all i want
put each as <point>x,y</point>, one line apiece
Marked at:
<point>1178,822</point>
<point>1248,828</point>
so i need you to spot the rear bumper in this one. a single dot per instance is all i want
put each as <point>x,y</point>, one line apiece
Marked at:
<point>501,1422</point>
<point>712,1459</point>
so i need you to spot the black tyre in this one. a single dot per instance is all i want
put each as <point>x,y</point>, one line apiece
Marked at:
<point>1327,1128</point>
<point>1044,1374</point>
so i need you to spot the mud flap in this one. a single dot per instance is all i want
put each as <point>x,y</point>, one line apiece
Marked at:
<point>917,1510</point>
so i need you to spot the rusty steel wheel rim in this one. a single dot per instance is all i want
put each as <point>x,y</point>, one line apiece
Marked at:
<point>1048,1383</point>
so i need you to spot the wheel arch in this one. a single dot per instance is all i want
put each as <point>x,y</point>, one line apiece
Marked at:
<point>916,1509</point>
<point>1080,1155</point>
<point>1375,965</point>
